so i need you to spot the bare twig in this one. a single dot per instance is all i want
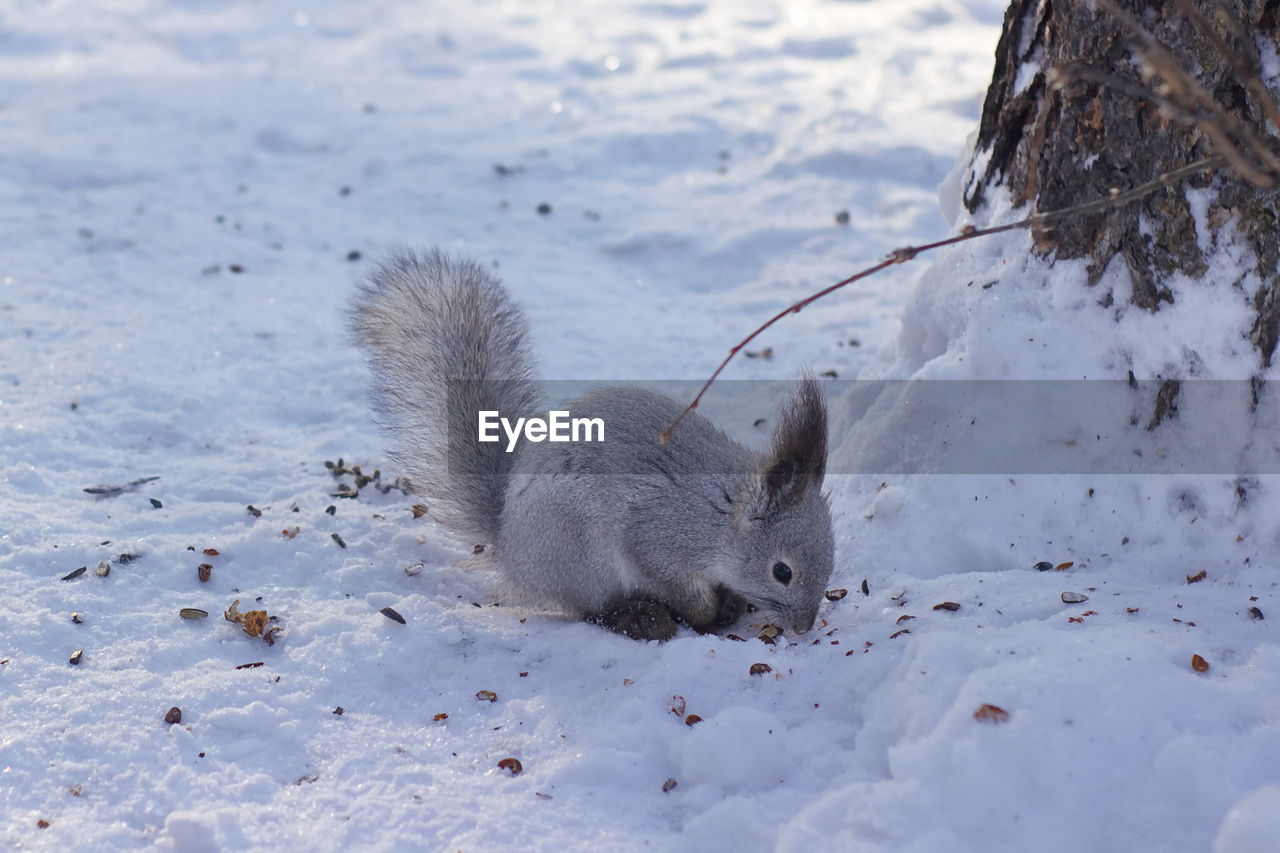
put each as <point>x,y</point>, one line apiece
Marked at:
<point>1244,57</point>
<point>1227,132</point>
<point>1238,145</point>
<point>909,253</point>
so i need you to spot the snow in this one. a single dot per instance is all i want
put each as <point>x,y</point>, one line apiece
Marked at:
<point>181,187</point>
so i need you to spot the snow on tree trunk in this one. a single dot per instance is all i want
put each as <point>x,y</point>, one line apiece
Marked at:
<point>1055,148</point>
<point>1149,480</point>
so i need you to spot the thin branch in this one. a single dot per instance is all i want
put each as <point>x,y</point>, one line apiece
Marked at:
<point>1244,58</point>
<point>1227,132</point>
<point>1180,95</point>
<point>909,253</point>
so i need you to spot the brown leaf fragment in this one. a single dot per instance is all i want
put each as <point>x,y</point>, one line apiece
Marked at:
<point>418,510</point>
<point>1132,609</point>
<point>1075,619</point>
<point>173,716</point>
<point>269,635</point>
<point>486,696</point>
<point>75,790</point>
<point>991,713</point>
<point>339,711</point>
<point>76,657</point>
<point>210,552</point>
<point>904,618</point>
<point>735,638</point>
<point>835,594</point>
<point>770,634</point>
<point>253,665</point>
<point>390,613</point>
<point>1198,576</point>
<point>896,634</point>
<point>669,786</point>
<point>543,796</point>
<point>254,623</point>
<point>306,780</point>
<point>75,573</point>
<point>204,571</point>
<point>42,823</point>
<point>440,718</point>
<point>1255,613</point>
<point>512,764</point>
<point>1199,664</point>
<point>760,669</point>
<point>692,720</point>
<point>290,532</point>
<point>1062,567</point>
<point>949,606</point>
<point>677,705</point>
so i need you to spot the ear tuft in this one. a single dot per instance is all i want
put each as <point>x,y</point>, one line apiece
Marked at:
<point>797,460</point>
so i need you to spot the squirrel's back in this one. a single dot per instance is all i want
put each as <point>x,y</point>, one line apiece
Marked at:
<point>445,341</point>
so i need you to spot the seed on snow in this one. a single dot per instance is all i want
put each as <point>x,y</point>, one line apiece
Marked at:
<point>991,714</point>
<point>1073,597</point>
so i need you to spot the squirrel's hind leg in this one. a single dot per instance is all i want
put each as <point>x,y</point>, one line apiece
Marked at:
<point>638,618</point>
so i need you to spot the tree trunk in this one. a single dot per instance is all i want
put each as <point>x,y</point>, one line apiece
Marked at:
<point>1055,148</point>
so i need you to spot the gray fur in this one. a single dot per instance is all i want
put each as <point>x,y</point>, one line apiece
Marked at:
<point>695,525</point>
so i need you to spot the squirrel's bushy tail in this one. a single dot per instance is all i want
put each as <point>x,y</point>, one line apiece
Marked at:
<point>444,341</point>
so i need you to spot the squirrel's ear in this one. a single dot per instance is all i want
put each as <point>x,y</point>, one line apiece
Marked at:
<point>797,460</point>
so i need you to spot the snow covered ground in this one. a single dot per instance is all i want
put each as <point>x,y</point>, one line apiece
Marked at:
<point>189,192</point>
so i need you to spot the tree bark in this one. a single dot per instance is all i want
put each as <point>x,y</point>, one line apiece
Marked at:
<point>1055,148</point>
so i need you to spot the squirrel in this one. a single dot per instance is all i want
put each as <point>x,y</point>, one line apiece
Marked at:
<point>630,533</point>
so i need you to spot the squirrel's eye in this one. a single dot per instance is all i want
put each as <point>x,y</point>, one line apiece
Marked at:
<point>782,573</point>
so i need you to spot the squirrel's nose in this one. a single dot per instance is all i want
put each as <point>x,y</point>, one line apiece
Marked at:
<point>801,624</point>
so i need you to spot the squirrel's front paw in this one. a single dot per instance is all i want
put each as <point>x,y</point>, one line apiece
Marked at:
<point>729,607</point>
<point>639,619</point>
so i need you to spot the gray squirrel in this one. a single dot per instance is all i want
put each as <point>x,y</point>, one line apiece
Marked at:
<point>629,533</point>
